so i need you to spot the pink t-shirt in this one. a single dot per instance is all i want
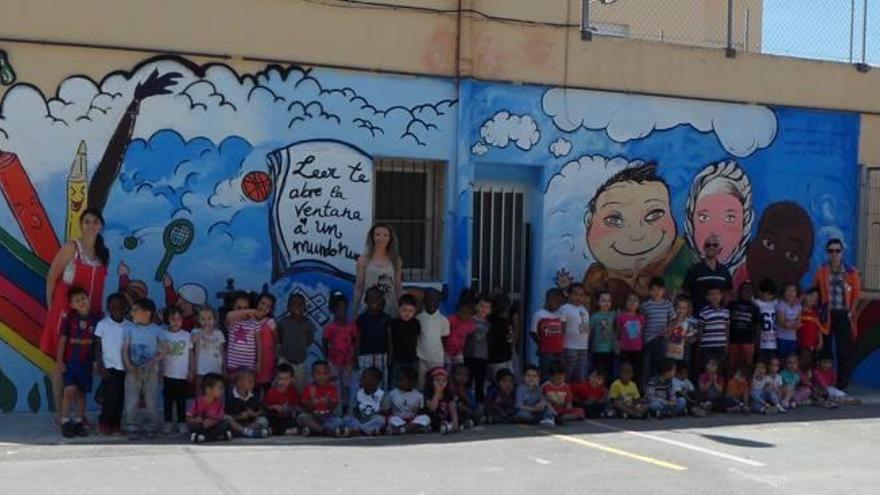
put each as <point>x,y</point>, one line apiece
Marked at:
<point>340,339</point>
<point>629,331</point>
<point>459,330</point>
<point>201,408</point>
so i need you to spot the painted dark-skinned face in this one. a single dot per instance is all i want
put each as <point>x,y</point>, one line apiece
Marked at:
<point>782,248</point>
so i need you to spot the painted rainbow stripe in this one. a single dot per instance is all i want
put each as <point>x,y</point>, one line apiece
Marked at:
<point>21,312</point>
<point>31,352</point>
<point>27,208</point>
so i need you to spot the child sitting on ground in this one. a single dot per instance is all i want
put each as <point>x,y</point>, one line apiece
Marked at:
<point>320,401</point>
<point>531,407</point>
<point>244,409</point>
<point>501,400</point>
<point>625,397</point>
<point>793,393</point>
<point>591,395</point>
<point>737,394</point>
<point>775,384</point>
<point>206,419</point>
<point>367,411</point>
<point>711,383</point>
<point>465,398</point>
<point>282,402</point>
<point>440,405</point>
<point>764,401</point>
<point>558,394</point>
<point>683,387</point>
<point>662,400</point>
<point>75,360</point>
<point>825,380</point>
<point>406,406</point>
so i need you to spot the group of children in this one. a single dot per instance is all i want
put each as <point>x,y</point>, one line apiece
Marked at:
<point>421,371</point>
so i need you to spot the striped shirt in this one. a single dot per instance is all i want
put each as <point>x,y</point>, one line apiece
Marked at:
<point>241,349</point>
<point>715,322</point>
<point>658,314</point>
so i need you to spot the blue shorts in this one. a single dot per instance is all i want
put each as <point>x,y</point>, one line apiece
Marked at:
<point>785,348</point>
<point>78,375</point>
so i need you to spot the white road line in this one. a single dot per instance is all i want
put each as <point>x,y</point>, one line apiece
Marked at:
<point>543,462</point>
<point>677,443</point>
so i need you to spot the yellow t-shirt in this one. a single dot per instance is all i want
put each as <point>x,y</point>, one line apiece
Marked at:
<point>628,392</point>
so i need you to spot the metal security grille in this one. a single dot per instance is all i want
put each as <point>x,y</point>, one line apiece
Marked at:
<point>870,234</point>
<point>499,240</point>
<point>409,197</point>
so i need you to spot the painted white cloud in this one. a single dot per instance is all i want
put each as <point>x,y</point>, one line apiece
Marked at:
<point>566,200</point>
<point>503,128</point>
<point>741,129</point>
<point>561,147</point>
<point>479,149</point>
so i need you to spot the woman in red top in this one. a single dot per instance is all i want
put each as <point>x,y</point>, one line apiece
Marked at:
<point>81,262</point>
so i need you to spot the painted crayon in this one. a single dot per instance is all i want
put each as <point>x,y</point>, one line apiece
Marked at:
<point>77,191</point>
<point>27,208</point>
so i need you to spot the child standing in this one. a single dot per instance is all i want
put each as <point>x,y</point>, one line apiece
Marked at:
<point>374,333</point>
<point>206,418</point>
<point>501,337</point>
<point>476,349</point>
<point>558,394</point>
<point>767,303</point>
<point>683,331</point>
<point>208,343</point>
<point>109,340</point>
<point>404,332</point>
<point>591,395</point>
<point>809,335</point>
<point>368,407</point>
<point>434,328</point>
<point>461,325</point>
<point>745,327</point>
<point>576,345</point>
<point>178,371</point>
<point>624,395</point>
<point>763,399</point>
<point>737,394</point>
<point>531,406</point>
<point>602,334</point>
<point>246,413</point>
<point>406,406</point>
<point>268,335</point>
<point>465,399</point>
<point>659,313</point>
<point>715,324</point>
<point>282,402</point>
<point>142,354</point>
<point>547,329</point>
<point>320,402</point>
<point>441,404</point>
<point>662,399</point>
<point>788,321</point>
<point>75,360</point>
<point>501,401</point>
<point>630,330</point>
<point>340,341</point>
<point>711,384</point>
<point>296,334</point>
<point>244,345</point>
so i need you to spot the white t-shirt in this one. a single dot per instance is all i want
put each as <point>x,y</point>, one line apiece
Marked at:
<point>368,404</point>
<point>430,345</point>
<point>577,326</point>
<point>790,313</point>
<point>406,404</point>
<point>761,384</point>
<point>177,360</point>
<point>112,340</point>
<point>209,351</point>
<point>768,321</point>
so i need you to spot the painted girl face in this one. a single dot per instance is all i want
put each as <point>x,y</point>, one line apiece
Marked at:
<point>632,225</point>
<point>720,214</point>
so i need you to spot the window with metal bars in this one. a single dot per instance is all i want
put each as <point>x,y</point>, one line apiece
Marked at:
<point>409,195</point>
<point>870,231</point>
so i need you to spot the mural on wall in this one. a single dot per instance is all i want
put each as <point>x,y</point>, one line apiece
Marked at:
<point>631,186</point>
<point>204,174</point>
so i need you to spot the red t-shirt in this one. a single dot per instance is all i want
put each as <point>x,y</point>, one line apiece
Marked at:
<point>459,330</point>
<point>630,329</point>
<point>201,408</point>
<point>825,379</point>
<point>340,339</point>
<point>585,391</point>
<point>550,330</point>
<point>276,397</point>
<point>557,395</point>
<point>808,333</point>
<point>324,398</point>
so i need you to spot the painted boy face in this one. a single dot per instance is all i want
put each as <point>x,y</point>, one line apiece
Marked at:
<point>720,214</point>
<point>632,225</point>
<point>782,248</point>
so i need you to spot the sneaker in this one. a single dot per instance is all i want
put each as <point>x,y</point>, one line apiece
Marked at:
<point>444,429</point>
<point>80,430</point>
<point>292,431</point>
<point>468,425</point>
<point>196,438</point>
<point>609,413</point>
<point>182,429</point>
<point>248,432</point>
<point>547,423</point>
<point>698,412</point>
<point>167,428</point>
<point>780,408</point>
<point>305,431</point>
<point>658,414</point>
<point>346,432</point>
<point>624,416</point>
<point>228,435</point>
<point>67,429</point>
<point>264,432</point>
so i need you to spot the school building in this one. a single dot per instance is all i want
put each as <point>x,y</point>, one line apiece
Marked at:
<point>253,144</point>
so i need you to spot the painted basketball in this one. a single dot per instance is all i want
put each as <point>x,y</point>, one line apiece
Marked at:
<point>256,186</point>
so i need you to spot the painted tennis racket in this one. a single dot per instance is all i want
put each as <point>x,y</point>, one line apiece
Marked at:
<point>177,237</point>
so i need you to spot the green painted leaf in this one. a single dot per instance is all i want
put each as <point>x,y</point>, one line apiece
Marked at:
<point>34,398</point>
<point>8,393</point>
<point>50,398</point>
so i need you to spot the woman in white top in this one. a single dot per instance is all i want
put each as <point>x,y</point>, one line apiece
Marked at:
<point>379,266</point>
